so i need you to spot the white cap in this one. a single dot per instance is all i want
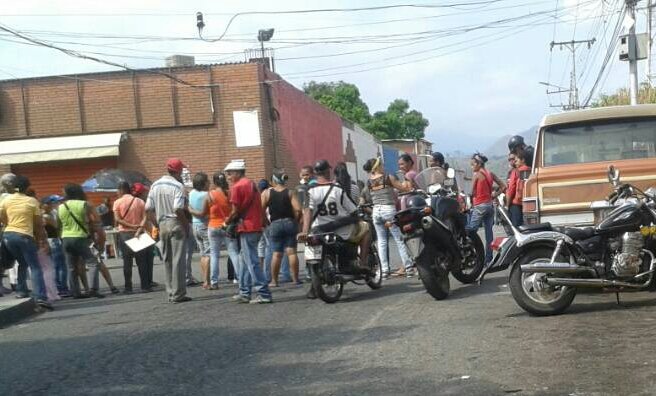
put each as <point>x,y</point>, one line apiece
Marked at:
<point>238,164</point>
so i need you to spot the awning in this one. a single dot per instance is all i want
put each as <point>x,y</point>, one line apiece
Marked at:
<point>59,148</point>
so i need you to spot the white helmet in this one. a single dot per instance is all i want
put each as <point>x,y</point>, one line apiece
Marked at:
<point>238,164</point>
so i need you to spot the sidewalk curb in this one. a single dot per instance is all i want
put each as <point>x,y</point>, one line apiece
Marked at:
<point>17,312</point>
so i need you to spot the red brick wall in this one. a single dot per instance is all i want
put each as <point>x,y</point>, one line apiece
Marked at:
<point>307,130</point>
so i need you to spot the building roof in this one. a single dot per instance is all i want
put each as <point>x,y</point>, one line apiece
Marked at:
<point>155,70</point>
<point>599,113</point>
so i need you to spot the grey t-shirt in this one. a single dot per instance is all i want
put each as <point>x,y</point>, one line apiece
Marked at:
<point>378,191</point>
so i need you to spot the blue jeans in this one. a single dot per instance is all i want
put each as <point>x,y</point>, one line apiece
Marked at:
<point>483,214</point>
<point>516,215</point>
<point>217,237</point>
<point>382,214</point>
<point>232,245</point>
<point>250,273</point>
<point>59,260</point>
<point>23,248</point>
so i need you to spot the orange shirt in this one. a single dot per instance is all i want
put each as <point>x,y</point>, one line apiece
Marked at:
<point>219,209</point>
<point>130,209</point>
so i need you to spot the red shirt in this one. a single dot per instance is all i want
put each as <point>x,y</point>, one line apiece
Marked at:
<point>483,188</point>
<point>246,198</point>
<point>516,186</point>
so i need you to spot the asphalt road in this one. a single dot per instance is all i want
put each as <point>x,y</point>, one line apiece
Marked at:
<point>396,340</point>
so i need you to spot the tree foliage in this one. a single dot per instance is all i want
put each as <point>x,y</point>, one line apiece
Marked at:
<point>646,94</point>
<point>342,98</point>
<point>397,122</point>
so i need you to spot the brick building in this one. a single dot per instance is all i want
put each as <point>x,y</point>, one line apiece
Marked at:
<point>62,129</point>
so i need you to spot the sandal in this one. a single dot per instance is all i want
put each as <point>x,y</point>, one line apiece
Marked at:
<point>400,272</point>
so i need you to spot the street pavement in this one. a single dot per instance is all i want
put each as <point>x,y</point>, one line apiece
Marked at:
<point>396,340</point>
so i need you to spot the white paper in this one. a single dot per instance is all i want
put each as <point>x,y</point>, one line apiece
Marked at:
<point>247,128</point>
<point>138,244</point>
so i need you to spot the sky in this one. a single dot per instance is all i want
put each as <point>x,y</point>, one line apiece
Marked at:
<point>472,67</point>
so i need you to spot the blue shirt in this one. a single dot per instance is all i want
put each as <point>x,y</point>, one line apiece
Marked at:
<point>196,199</point>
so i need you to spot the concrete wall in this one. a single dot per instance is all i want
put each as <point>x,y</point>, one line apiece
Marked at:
<point>359,146</point>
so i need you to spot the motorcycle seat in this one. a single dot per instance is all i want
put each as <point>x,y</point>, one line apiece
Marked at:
<point>578,234</point>
<point>535,227</point>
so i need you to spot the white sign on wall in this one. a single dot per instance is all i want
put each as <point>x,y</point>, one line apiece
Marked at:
<point>247,128</point>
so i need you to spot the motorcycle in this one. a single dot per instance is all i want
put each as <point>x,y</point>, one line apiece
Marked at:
<point>433,227</point>
<point>549,264</point>
<point>334,261</point>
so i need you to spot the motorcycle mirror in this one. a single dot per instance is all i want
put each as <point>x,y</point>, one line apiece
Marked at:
<point>614,175</point>
<point>450,173</point>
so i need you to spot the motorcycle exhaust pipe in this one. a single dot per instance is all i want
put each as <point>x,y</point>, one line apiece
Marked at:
<point>556,268</point>
<point>593,283</point>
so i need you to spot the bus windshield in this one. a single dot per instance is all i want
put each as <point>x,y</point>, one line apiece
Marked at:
<point>607,141</point>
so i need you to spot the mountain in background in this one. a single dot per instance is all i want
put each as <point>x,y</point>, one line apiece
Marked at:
<point>500,147</point>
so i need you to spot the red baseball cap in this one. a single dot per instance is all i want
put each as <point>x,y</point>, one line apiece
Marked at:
<point>174,165</point>
<point>138,189</point>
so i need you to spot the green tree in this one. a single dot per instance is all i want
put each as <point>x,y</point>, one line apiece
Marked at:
<point>646,94</point>
<point>398,122</point>
<point>342,98</point>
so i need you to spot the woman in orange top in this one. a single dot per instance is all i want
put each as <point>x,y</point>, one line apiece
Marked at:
<point>217,206</point>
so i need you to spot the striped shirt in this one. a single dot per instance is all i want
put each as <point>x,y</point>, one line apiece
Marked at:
<point>165,197</point>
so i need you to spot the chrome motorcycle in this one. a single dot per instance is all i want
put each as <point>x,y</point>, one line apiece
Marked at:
<point>549,264</point>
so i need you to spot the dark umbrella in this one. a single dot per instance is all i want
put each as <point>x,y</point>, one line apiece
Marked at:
<point>107,180</point>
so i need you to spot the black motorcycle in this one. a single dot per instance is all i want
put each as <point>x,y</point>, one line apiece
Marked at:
<point>334,261</point>
<point>433,226</point>
<point>549,264</point>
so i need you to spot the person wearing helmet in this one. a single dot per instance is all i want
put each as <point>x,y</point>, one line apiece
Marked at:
<point>328,203</point>
<point>516,144</point>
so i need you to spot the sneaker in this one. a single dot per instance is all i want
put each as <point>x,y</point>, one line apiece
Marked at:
<point>21,295</point>
<point>181,300</point>
<point>193,282</point>
<point>235,282</point>
<point>261,300</point>
<point>410,272</point>
<point>241,299</point>
<point>154,284</point>
<point>214,287</point>
<point>115,290</point>
<point>127,290</point>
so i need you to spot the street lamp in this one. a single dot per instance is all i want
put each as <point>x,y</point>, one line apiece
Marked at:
<point>262,36</point>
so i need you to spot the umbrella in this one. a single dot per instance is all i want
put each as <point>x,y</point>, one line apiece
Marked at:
<point>106,180</point>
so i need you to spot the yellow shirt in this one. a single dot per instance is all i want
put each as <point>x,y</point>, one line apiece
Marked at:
<point>20,211</point>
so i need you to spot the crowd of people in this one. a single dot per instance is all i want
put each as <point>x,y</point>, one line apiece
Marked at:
<point>60,239</point>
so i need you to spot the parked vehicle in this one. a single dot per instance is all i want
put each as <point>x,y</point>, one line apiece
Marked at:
<point>334,262</point>
<point>573,151</point>
<point>549,264</point>
<point>433,226</point>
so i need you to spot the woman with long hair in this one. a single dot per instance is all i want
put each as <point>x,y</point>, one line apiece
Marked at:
<point>285,213</point>
<point>343,178</point>
<point>483,195</point>
<point>380,191</point>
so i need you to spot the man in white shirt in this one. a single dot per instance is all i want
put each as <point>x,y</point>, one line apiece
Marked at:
<point>327,202</point>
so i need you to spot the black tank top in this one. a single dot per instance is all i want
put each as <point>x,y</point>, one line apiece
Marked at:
<point>280,205</point>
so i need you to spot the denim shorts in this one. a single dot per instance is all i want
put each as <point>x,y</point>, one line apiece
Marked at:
<point>202,238</point>
<point>282,235</point>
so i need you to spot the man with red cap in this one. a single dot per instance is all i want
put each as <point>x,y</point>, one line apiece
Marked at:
<point>167,206</point>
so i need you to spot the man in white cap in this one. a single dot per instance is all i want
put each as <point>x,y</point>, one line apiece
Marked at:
<point>247,212</point>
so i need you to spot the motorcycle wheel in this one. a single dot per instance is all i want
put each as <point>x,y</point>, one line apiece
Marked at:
<point>529,291</point>
<point>468,272</point>
<point>325,282</point>
<point>435,278</point>
<point>375,281</point>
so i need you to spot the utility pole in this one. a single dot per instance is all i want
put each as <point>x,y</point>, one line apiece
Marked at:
<point>573,89</point>
<point>649,38</point>
<point>633,56</point>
